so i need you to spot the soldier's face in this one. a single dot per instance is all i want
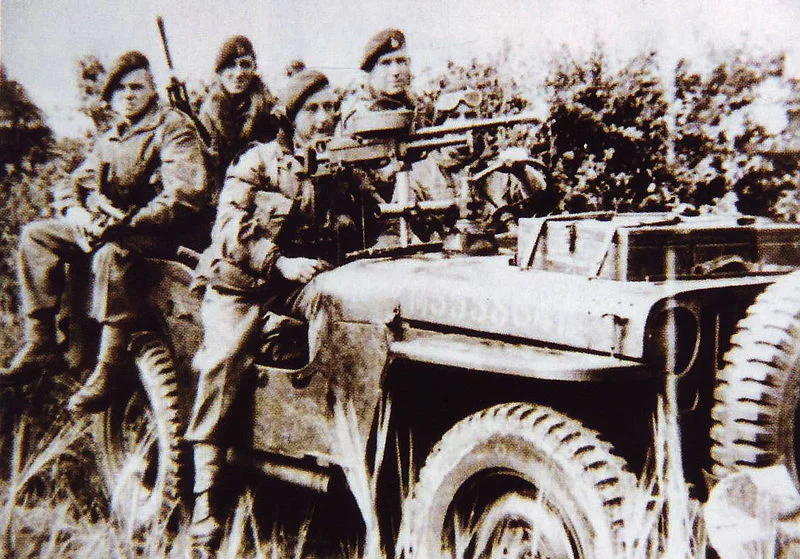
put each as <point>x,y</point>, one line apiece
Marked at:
<point>457,115</point>
<point>391,74</point>
<point>237,76</point>
<point>316,118</point>
<point>133,94</point>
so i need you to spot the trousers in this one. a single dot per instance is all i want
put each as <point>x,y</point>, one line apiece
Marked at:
<point>232,326</point>
<point>46,245</point>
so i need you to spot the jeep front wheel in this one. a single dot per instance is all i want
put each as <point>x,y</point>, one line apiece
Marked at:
<point>518,480</point>
<point>140,439</point>
<point>755,409</point>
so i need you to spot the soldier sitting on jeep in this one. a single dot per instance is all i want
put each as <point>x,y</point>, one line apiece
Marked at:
<point>502,188</point>
<point>266,247</point>
<point>136,194</point>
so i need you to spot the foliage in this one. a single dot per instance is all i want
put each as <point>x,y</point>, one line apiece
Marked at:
<point>606,133</point>
<point>24,137</point>
<point>91,76</point>
<point>715,142</point>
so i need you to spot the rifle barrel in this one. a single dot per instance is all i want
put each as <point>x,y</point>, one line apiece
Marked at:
<point>479,124</point>
<point>164,42</point>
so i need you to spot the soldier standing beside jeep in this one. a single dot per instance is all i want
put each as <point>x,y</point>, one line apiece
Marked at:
<point>263,254</point>
<point>238,108</point>
<point>136,194</point>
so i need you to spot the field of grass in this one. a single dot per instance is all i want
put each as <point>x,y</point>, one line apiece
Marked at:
<point>53,503</point>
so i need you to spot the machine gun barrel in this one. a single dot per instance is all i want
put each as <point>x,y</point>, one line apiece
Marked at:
<point>466,126</point>
<point>425,207</point>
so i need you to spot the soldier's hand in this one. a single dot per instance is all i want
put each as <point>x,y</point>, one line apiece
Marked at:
<point>514,155</point>
<point>300,269</point>
<point>83,222</point>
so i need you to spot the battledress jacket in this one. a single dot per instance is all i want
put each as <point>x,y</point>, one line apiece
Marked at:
<point>235,123</point>
<point>154,169</point>
<point>264,208</point>
<point>437,177</point>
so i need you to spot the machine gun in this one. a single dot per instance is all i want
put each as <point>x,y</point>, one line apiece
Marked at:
<point>176,90</point>
<point>381,137</point>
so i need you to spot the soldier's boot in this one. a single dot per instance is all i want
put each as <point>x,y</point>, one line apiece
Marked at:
<point>95,394</point>
<point>205,530</point>
<point>39,352</point>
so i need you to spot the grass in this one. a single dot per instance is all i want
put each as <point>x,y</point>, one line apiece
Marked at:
<point>42,514</point>
<point>53,523</point>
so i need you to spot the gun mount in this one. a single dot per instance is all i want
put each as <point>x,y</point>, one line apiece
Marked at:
<point>379,138</point>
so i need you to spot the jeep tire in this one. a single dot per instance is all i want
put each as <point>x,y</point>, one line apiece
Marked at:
<point>140,438</point>
<point>518,480</point>
<point>756,395</point>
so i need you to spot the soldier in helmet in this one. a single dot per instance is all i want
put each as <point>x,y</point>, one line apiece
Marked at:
<point>505,185</point>
<point>262,256</point>
<point>136,194</point>
<point>238,107</point>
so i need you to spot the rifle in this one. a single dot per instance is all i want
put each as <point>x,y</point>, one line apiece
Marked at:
<point>176,90</point>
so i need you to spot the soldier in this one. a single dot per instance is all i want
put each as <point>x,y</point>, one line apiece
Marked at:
<point>262,256</point>
<point>136,194</point>
<point>238,107</point>
<point>506,185</point>
<point>388,82</point>
<point>387,87</point>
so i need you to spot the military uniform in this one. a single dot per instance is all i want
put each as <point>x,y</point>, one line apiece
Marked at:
<point>500,197</point>
<point>235,122</point>
<point>266,209</point>
<point>154,170</point>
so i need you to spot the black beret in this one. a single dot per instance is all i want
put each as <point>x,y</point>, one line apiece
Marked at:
<point>388,40</point>
<point>300,87</point>
<point>236,46</point>
<point>125,64</point>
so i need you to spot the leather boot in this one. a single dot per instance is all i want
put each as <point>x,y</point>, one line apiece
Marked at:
<point>39,352</point>
<point>205,531</point>
<point>95,395</point>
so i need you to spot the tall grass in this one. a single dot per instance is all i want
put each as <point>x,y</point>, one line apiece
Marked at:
<point>664,522</point>
<point>361,476</point>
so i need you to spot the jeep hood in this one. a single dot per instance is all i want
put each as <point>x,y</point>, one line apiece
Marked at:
<point>489,295</point>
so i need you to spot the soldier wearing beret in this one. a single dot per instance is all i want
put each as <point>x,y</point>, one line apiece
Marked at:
<point>505,185</point>
<point>238,108</point>
<point>135,194</point>
<point>261,258</point>
<point>388,82</point>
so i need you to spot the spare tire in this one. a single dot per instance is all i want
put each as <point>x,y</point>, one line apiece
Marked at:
<point>755,410</point>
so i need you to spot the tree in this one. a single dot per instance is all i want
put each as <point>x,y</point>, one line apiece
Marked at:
<point>91,77</point>
<point>716,145</point>
<point>607,134</point>
<point>24,136</point>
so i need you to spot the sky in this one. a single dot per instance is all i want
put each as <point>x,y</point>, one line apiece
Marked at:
<point>41,40</point>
